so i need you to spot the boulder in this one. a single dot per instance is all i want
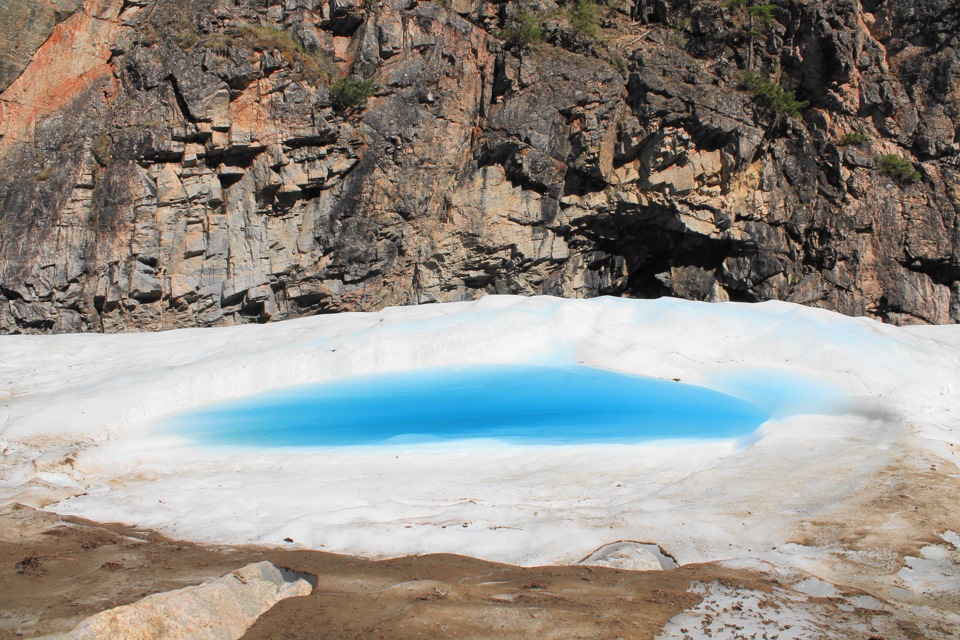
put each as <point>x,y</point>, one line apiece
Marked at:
<point>221,609</point>
<point>625,555</point>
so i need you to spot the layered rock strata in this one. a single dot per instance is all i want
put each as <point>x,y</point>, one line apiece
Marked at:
<point>171,163</point>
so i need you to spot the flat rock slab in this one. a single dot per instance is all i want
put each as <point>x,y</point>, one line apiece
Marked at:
<point>221,609</point>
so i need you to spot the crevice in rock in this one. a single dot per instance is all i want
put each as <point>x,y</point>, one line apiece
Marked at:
<point>506,154</point>
<point>181,101</point>
<point>577,183</point>
<point>941,271</point>
<point>10,294</point>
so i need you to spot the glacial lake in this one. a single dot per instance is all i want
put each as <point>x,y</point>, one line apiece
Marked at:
<point>510,403</point>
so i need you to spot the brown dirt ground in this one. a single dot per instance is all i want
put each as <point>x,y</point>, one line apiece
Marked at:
<point>55,571</point>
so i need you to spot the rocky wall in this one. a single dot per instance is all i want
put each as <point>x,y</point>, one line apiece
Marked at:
<point>171,163</point>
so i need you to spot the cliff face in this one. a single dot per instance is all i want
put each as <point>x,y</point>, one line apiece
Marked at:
<point>24,26</point>
<point>169,163</point>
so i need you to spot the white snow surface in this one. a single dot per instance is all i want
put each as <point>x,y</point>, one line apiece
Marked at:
<point>734,613</point>
<point>80,414</point>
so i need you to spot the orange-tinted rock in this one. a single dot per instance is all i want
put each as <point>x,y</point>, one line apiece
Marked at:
<point>195,162</point>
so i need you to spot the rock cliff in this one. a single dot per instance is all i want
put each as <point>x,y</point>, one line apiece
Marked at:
<point>169,163</point>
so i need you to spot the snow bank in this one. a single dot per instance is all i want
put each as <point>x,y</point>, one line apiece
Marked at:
<point>859,391</point>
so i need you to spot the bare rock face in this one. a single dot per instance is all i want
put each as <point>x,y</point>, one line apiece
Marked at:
<point>203,162</point>
<point>221,609</point>
<point>25,25</point>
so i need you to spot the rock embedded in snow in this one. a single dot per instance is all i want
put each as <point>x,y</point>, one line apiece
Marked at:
<point>221,609</point>
<point>816,588</point>
<point>623,555</point>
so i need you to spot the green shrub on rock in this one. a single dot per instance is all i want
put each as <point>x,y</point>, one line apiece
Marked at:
<point>584,18</point>
<point>350,94</point>
<point>772,95</point>
<point>763,11</point>
<point>898,168</point>
<point>522,29</point>
<point>852,137</point>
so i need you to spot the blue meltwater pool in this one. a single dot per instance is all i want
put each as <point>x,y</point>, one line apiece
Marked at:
<point>520,404</point>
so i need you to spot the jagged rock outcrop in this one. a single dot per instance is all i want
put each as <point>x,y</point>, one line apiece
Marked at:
<point>195,162</point>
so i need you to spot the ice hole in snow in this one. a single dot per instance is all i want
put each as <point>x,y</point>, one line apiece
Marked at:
<point>571,404</point>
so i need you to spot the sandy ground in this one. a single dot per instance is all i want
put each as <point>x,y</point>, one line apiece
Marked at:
<point>55,570</point>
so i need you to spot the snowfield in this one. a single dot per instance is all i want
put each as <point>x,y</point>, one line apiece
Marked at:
<point>862,412</point>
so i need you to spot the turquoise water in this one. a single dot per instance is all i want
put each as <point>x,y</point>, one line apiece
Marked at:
<point>519,404</point>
